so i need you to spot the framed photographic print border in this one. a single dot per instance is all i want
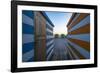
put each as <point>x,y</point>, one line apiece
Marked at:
<point>14,22</point>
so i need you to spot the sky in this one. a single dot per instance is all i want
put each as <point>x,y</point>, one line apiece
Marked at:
<point>60,20</point>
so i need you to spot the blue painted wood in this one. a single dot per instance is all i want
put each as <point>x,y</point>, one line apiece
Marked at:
<point>83,37</point>
<point>27,36</point>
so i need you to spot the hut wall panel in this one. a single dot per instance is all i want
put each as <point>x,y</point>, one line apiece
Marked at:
<point>49,41</point>
<point>78,36</point>
<point>27,36</point>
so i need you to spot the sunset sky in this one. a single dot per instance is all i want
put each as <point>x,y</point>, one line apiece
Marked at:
<point>60,20</point>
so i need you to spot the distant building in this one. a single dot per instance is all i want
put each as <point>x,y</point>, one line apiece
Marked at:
<point>56,35</point>
<point>37,36</point>
<point>78,37</point>
<point>62,35</point>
